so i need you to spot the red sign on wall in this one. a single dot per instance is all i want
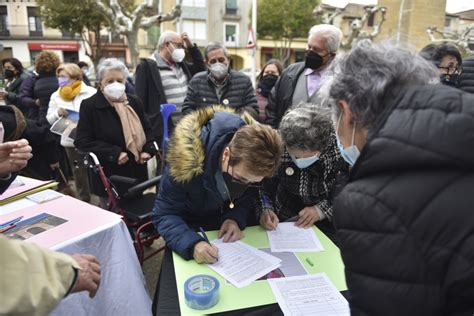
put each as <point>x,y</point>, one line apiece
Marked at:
<point>54,46</point>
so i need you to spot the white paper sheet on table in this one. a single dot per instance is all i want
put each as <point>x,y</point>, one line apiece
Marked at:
<point>44,196</point>
<point>241,264</point>
<point>288,237</point>
<point>309,295</point>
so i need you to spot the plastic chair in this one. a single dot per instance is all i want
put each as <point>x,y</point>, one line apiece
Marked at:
<point>125,197</point>
<point>166,110</point>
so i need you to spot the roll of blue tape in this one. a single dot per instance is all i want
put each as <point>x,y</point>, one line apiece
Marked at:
<point>201,291</point>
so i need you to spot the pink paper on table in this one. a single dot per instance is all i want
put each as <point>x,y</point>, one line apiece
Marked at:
<point>81,218</point>
<point>29,184</point>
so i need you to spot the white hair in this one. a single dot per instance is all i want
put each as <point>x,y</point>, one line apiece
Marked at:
<point>165,38</point>
<point>109,64</point>
<point>330,33</point>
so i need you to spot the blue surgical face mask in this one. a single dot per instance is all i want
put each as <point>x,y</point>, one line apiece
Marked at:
<point>304,162</point>
<point>351,153</point>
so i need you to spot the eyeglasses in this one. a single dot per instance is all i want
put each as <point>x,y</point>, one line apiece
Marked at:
<point>247,183</point>
<point>451,70</point>
<point>242,181</point>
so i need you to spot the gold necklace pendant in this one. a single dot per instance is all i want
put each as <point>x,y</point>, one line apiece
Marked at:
<point>231,204</point>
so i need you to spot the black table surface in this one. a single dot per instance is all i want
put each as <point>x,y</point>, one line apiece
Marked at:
<point>166,302</point>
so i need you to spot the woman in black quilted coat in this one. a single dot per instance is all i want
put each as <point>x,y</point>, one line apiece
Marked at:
<point>466,80</point>
<point>405,220</point>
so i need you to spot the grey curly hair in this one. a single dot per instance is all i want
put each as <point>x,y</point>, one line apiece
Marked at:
<point>368,74</point>
<point>307,127</point>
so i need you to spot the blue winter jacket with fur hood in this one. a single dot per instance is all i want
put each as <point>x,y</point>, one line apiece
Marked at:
<point>188,197</point>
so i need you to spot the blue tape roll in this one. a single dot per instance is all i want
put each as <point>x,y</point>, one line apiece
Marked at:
<point>201,291</point>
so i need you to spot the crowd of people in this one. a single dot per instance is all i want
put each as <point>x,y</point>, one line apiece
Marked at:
<point>374,146</point>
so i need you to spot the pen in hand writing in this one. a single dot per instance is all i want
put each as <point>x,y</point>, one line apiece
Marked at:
<point>207,239</point>
<point>204,235</point>
<point>267,208</point>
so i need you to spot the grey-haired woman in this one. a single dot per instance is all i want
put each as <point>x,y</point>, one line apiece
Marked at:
<point>113,126</point>
<point>304,184</point>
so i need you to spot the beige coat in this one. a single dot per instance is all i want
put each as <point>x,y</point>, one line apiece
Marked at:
<point>32,280</point>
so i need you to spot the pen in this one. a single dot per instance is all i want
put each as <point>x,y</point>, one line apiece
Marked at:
<point>310,262</point>
<point>204,235</point>
<point>292,219</point>
<point>4,229</point>
<point>265,201</point>
<point>207,240</point>
<point>13,221</point>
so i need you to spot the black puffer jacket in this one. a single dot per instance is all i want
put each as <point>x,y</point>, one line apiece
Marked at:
<point>405,220</point>
<point>238,93</point>
<point>45,86</point>
<point>466,80</point>
<point>281,97</point>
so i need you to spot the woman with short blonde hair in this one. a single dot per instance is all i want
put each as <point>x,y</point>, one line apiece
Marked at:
<point>65,103</point>
<point>72,70</point>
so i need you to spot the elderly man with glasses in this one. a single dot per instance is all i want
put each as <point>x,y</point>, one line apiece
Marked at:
<point>164,77</point>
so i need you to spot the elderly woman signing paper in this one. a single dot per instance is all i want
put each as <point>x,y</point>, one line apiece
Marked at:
<point>305,182</point>
<point>113,126</point>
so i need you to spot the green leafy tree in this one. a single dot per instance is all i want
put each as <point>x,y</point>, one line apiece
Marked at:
<point>80,18</point>
<point>283,21</point>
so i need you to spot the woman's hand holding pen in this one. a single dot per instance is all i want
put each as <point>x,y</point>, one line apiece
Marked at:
<point>205,252</point>
<point>269,220</point>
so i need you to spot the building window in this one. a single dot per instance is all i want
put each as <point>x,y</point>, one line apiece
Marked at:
<point>4,21</point>
<point>231,7</point>
<point>371,20</point>
<point>447,22</point>
<point>194,3</point>
<point>299,56</point>
<point>34,22</point>
<point>195,29</point>
<point>231,33</point>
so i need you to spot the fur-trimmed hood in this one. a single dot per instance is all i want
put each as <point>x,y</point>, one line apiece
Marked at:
<point>196,136</point>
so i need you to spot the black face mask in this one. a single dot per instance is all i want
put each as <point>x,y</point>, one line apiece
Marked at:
<point>9,74</point>
<point>266,84</point>
<point>313,60</point>
<point>450,80</point>
<point>235,189</point>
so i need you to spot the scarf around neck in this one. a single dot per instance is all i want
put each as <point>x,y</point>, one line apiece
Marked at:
<point>131,126</point>
<point>69,92</point>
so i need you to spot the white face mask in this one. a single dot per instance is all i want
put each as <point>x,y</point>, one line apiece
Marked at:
<point>178,55</point>
<point>219,70</point>
<point>114,90</point>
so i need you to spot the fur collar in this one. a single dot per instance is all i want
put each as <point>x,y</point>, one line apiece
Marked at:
<point>186,152</point>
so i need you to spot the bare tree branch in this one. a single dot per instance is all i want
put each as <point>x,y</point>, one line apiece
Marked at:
<point>459,39</point>
<point>159,18</point>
